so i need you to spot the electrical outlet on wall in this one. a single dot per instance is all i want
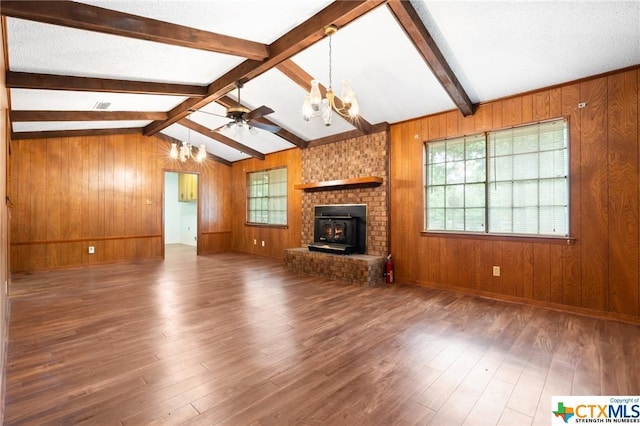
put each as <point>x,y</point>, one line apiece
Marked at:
<point>255,242</point>
<point>92,250</point>
<point>496,271</point>
<point>262,243</point>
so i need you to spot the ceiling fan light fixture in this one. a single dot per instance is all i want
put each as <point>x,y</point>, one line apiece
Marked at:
<point>237,112</point>
<point>243,117</point>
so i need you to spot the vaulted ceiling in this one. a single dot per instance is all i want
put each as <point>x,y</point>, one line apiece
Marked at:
<point>170,68</point>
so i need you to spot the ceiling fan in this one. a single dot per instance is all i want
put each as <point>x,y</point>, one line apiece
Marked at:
<point>241,116</point>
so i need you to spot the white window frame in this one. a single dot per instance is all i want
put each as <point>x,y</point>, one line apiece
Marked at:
<point>454,192</point>
<point>267,197</point>
<point>528,198</point>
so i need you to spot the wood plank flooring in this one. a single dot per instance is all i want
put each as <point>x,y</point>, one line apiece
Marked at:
<point>235,339</point>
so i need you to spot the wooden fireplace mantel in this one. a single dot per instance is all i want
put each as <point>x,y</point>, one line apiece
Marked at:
<point>364,181</point>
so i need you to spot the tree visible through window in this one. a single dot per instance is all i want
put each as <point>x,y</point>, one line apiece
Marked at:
<point>455,192</point>
<point>512,181</point>
<point>267,197</point>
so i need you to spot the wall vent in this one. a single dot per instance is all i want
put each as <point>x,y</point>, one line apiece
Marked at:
<point>102,105</point>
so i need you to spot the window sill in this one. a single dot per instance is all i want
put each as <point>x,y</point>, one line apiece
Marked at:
<point>501,237</point>
<point>265,225</point>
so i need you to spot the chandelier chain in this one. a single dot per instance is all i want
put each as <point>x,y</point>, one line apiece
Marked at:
<point>330,65</point>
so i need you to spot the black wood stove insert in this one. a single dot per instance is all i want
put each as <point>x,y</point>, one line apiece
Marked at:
<point>340,229</point>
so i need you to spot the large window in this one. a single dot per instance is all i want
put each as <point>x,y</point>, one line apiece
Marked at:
<point>267,197</point>
<point>512,181</point>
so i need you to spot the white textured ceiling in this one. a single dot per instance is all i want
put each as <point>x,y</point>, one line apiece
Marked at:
<point>61,100</point>
<point>495,48</point>
<point>500,48</point>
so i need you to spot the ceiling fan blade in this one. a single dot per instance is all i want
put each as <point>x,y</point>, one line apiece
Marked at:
<point>268,127</point>
<point>258,112</point>
<point>207,112</point>
<point>219,128</point>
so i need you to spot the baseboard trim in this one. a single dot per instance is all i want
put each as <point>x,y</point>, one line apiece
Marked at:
<point>5,357</point>
<point>577,310</point>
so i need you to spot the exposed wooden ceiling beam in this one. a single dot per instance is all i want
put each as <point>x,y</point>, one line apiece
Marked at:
<point>92,18</point>
<point>214,157</point>
<point>220,138</point>
<point>24,80</point>
<point>303,79</point>
<point>74,133</point>
<point>380,127</point>
<point>409,20</point>
<point>304,35</point>
<point>26,116</point>
<point>299,76</point>
<point>227,102</point>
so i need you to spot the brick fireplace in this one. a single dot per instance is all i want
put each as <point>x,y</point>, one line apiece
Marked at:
<point>364,156</point>
<point>340,229</point>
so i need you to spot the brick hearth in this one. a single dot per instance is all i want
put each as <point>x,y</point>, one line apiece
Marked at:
<point>357,269</point>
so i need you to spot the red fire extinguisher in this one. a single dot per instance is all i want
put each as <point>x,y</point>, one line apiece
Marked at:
<point>388,270</point>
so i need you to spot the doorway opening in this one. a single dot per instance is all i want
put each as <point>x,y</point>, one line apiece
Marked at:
<point>180,212</point>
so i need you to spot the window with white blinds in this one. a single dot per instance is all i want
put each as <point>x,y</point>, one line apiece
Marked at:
<point>512,181</point>
<point>267,197</point>
<point>528,187</point>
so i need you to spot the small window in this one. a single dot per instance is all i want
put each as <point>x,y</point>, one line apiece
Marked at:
<point>267,197</point>
<point>512,181</point>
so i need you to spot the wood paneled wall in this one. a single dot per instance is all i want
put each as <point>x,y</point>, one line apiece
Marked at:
<point>276,238</point>
<point>600,271</point>
<point>4,219</point>
<point>103,191</point>
<point>106,191</point>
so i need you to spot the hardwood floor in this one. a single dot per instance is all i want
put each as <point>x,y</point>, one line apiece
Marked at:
<point>235,339</point>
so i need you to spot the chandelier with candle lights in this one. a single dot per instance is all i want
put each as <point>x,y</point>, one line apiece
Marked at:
<point>185,151</point>
<point>316,106</point>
